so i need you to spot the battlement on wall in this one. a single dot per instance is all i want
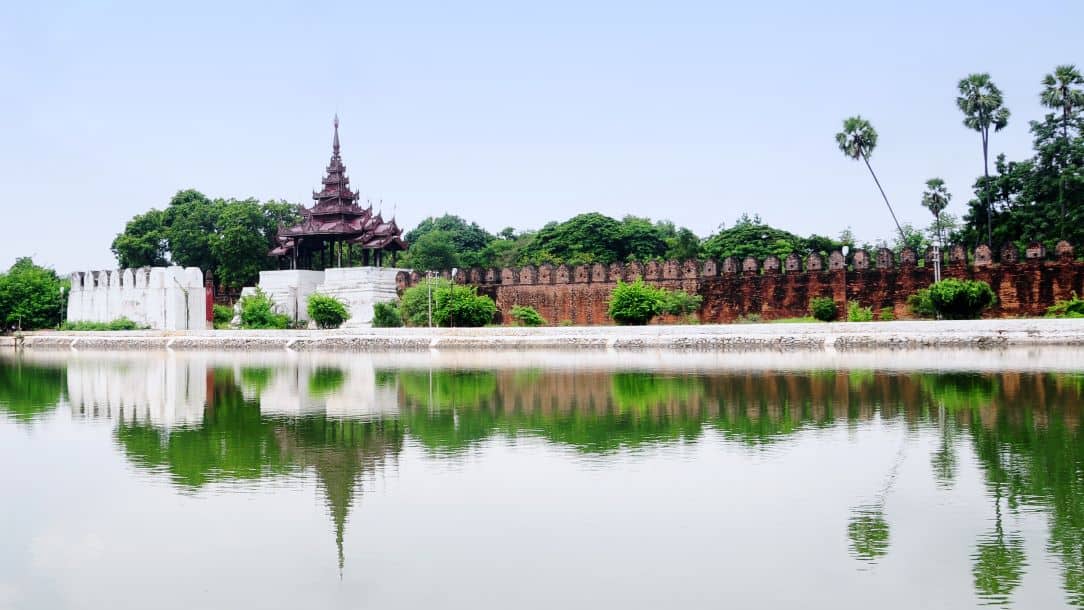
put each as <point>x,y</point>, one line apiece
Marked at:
<point>884,259</point>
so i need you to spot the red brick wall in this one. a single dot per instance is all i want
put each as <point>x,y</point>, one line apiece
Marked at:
<point>580,294</point>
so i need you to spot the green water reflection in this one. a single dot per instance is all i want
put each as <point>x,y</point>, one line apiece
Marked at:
<point>1024,429</point>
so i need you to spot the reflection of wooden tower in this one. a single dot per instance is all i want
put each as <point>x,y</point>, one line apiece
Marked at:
<point>340,452</point>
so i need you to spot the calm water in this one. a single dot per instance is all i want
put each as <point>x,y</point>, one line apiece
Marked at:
<point>541,481</point>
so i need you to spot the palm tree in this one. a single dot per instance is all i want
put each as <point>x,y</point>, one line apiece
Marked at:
<point>981,102</point>
<point>1059,94</point>
<point>857,141</point>
<point>936,199</point>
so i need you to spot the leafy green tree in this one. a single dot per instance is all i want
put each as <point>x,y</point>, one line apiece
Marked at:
<point>1027,195</point>
<point>935,199</point>
<point>464,239</point>
<point>913,238</point>
<point>751,237</point>
<point>31,297</point>
<point>681,243</point>
<point>640,239</point>
<point>1062,91</point>
<point>504,252</point>
<point>983,106</point>
<point>240,245</point>
<point>278,213</point>
<point>144,241</point>
<point>857,141</point>
<point>586,238</point>
<point>433,251</point>
<point>191,220</point>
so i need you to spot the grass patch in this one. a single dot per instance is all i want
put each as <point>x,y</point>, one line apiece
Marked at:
<point>118,324</point>
<point>800,320</point>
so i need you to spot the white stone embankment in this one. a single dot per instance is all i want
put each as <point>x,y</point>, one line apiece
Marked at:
<point>751,337</point>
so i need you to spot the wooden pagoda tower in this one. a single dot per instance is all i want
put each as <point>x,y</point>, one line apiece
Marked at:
<point>336,227</point>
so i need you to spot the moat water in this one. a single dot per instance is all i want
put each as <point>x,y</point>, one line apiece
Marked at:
<point>657,480</point>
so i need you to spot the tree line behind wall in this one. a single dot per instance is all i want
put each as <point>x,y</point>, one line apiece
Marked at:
<point>228,237</point>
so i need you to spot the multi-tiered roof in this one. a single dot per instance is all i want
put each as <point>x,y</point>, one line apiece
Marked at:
<point>337,217</point>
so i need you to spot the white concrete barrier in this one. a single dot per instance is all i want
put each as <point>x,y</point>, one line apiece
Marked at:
<point>161,298</point>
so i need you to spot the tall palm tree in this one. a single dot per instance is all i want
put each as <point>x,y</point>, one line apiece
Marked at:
<point>983,107</point>
<point>935,199</point>
<point>857,141</point>
<point>1061,92</point>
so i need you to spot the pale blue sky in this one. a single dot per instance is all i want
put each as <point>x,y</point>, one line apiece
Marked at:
<point>505,113</point>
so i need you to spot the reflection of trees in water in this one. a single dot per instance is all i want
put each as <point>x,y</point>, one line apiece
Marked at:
<point>998,561</point>
<point>28,391</point>
<point>326,380</point>
<point>1024,429</point>
<point>1030,446</point>
<point>595,412</point>
<point>256,378</point>
<point>867,530</point>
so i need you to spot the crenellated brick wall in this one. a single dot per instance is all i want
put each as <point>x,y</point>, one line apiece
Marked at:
<point>776,288</point>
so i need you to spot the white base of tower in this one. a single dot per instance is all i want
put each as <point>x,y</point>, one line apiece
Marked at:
<point>359,288</point>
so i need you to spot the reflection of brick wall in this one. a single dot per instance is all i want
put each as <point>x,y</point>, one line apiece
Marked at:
<point>772,289</point>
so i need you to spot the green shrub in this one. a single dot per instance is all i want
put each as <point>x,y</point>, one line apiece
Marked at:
<point>222,316</point>
<point>636,303</point>
<point>327,311</point>
<point>681,303</point>
<point>824,309</point>
<point>455,305</point>
<point>566,323</point>
<point>386,315</point>
<point>887,314</point>
<point>921,304</point>
<point>1071,308</point>
<point>258,312</point>
<point>415,303</point>
<point>957,299</point>
<point>118,324</point>
<point>749,318</point>
<point>857,313</point>
<point>527,316</point>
